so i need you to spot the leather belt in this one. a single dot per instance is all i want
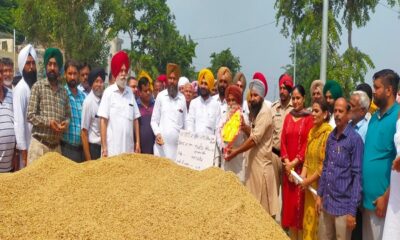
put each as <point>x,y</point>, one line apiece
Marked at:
<point>44,142</point>
<point>70,146</point>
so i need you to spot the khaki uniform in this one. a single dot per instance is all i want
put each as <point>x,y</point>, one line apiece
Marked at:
<point>278,116</point>
<point>260,175</point>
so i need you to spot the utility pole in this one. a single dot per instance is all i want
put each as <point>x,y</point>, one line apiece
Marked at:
<point>294,62</point>
<point>324,43</point>
<point>14,50</point>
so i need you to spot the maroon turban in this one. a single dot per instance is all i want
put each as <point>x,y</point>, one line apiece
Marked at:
<point>261,77</point>
<point>118,60</point>
<point>236,93</point>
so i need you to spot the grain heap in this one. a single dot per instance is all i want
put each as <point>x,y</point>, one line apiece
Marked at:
<point>128,197</point>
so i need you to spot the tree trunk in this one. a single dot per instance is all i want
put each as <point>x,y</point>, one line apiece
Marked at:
<point>349,35</point>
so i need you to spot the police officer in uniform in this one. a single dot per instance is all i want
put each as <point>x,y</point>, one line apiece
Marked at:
<point>280,109</point>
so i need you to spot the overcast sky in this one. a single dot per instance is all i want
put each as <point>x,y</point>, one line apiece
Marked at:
<point>265,49</point>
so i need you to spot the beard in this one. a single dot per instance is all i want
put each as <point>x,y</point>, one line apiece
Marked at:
<point>381,103</point>
<point>255,108</point>
<point>221,91</point>
<point>172,91</point>
<point>204,92</point>
<point>121,82</point>
<point>98,93</point>
<point>29,77</point>
<point>283,97</point>
<point>52,76</point>
<point>72,84</point>
<point>330,108</point>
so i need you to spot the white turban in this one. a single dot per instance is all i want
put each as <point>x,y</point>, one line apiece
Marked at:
<point>23,56</point>
<point>182,81</point>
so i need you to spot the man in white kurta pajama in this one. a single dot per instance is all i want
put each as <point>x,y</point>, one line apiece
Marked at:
<point>119,113</point>
<point>204,112</point>
<point>21,93</point>
<point>169,116</point>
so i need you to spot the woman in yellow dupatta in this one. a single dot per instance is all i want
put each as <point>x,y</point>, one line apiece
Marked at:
<point>312,168</point>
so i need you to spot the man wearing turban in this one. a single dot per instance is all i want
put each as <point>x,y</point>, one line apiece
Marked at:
<point>224,79</point>
<point>204,112</point>
<point>316,90</point>
<point>232,124</point>
<point>260,175</point>
<point>169,115</point>
<point>159,85</point>
<point>90,125</point>
<point>21,93</point>
<point>119,113</point>
<point>332,91</point>
<point>240,81</point>
<point>49,110</point>
<point>181,83</point>
<point>279,110</point>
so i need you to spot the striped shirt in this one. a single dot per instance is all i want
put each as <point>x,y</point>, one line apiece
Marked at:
<point>340,182</point>
<point>73,135</point>
<point>45,105</point>
<point>7,134</point>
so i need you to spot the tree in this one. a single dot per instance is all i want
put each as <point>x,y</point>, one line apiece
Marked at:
<point>67,25</point>
<point>339,67</point>
<point>7,20</point>
<point>302,21</point>
<point>225,58</point>
<point>154,39</point>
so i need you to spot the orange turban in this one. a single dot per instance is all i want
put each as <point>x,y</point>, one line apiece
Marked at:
<point>209,76</point>
<point>173,68</point>
<point>222,71</point>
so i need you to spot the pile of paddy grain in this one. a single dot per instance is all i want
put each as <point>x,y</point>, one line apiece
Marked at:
<point>128,197</point>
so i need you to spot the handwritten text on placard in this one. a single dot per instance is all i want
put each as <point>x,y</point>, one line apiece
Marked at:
<point>195,151</point>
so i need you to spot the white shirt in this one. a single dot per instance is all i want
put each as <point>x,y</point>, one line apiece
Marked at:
<point>204,116</point>
<point>120,109</point>
<point>22,127</point>
<point>90,120</point>
<point>7,135</point>
<point>332,121</point>
<point>169,116</point>
<point>82,89</point>
<point>246,112</point>
<point>223,105</point>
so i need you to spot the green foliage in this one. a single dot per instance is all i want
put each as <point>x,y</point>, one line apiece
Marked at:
<point>339,67</point>
<point>154,38</point>
<point>225,58</point>
<point>64,24</point>
<point>7,20</point>
<point>302,20</point>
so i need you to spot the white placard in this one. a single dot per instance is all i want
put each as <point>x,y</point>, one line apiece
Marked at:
<point>195,151</point>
